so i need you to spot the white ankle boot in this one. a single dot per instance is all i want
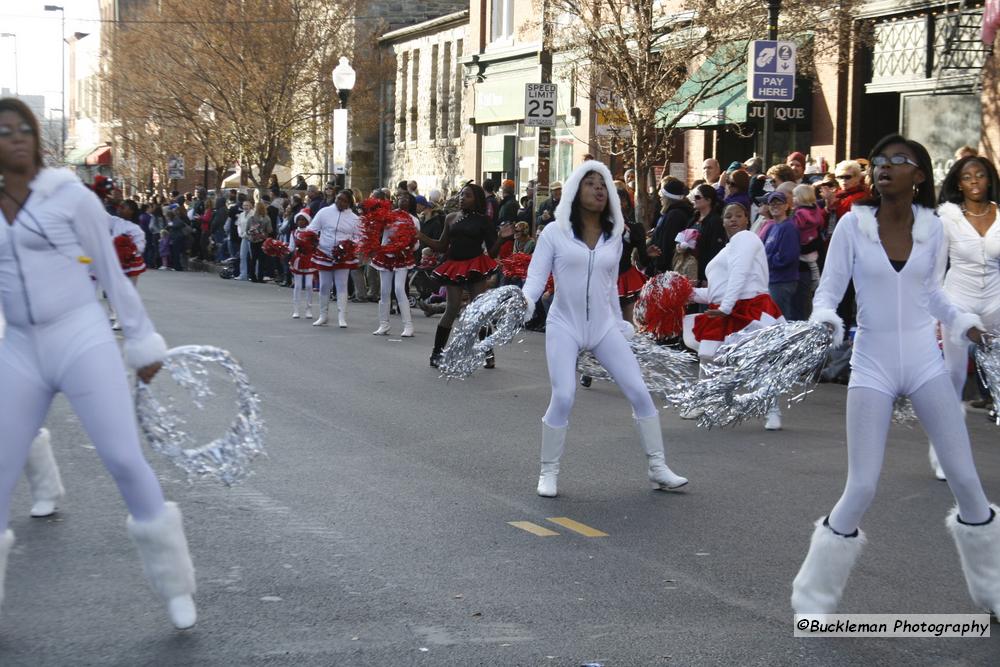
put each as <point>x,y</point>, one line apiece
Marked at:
<point>651,437</point>
<point>979,550</point>
<point>342,311</point>
<point>821,579</point>
<point>43,476</point>
<point>407,330</point>
<point>322,319</point>
<point>6,544</point>
<point>309,311</point>
<point>773,420</point>
<point>167,562</point>
<point>295,312</point>
<point>383,329</point>
<point>935,464</point>
<point>553,445</point>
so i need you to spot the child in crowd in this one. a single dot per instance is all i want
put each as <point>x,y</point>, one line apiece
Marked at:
<point>685,261</point>
<point>302,245</point>
<point>810,220</point>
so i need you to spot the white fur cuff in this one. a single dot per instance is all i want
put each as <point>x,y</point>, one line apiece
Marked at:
<point>142,352</point>
<point>961,325</point>
<point>529,311</point>
<point>830,317</point>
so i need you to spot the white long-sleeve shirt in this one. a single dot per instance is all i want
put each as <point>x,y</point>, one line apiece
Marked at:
<point>973,278</point>
<point>895,349</point>
<point>241,223</point>
<point>335,226</point>
<point>121,226</point>
<point>738,272</point>
<point>44,270</point>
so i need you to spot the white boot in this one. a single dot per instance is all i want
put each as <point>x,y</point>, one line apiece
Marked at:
<point>979,550</point>
<point>821,579</point>
<point>6,544</point>
<point>342,311</point>
<point>43,476</point>
<point>553,444</point>
<point>167,562</point>
<point>309,311</point>
<point>651,437</point>
<point>935,464</point>
<point>295,311</point>
<point>773,420</point>
<point>323,308</point>
<point>383,329</point>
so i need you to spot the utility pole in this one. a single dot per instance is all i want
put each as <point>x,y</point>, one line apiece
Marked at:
<point>544,144</point>
<point>17,85</point>
<point>773,9</point>
<point>62,10</point>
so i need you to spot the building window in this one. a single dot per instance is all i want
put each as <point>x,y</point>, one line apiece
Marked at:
<point>900,51</point>
<point>432,112</point>
<point>446,91</point>
<point>502,21</point>
<point>459,88</point>
<point>414,93</point>
<point>404,64</point>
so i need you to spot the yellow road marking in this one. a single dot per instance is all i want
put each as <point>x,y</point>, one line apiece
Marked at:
<point>533,528</point>
<point>577,527</point>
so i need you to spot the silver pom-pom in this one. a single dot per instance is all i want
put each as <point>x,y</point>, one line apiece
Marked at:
<point>664,369</point>
<point>988,364</point>
<point>903,412</point>
<point>750,374</point>
<point>227,458</point>
<point>501,312</point>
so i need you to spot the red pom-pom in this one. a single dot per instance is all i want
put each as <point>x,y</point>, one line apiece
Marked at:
<point>516,265</point>
<point>662,301</point>
<point>397,251</point>
<point>275,248</point>
<point>126,248</point>
<point>344,251</point>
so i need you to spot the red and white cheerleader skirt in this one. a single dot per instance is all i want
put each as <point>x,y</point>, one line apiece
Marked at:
<point>464,271</point>
<point>706,334</point>
<point>630,283</point>
<point>301,265</point>
<point>320,261</point>
<point>134,266</point>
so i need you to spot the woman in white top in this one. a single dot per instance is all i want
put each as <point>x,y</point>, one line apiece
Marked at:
<point>889,247</point>
<point>241,230</point>
<point>58,339</point>
<point>968,212</point>
<point>581,249</point>
<point>335,225</point>
<point>737,295</point>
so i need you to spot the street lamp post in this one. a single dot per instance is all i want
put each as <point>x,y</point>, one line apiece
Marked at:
<point>17,86</point>
<point>207,115</point>
<point>62,10</point>
<point>344,78</point>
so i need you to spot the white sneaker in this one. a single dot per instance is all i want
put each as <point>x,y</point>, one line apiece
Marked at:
<point>693,413</point>
<point>407,331</point>
<point>383,330</point>
<point>772,423</point>
<point>309,312</point>
<point>321,321</point>
<point>342,321</point>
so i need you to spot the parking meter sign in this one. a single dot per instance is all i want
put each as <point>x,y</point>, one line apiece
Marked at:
<point>771,71</point>
<point>540,104</point>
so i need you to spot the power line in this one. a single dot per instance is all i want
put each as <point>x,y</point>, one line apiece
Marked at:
<point>243,21</point>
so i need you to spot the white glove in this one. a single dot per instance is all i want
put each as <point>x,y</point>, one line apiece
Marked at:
<point>529,309</point>
<point>627,329</point>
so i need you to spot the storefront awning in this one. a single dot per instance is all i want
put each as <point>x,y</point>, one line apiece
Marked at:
<point>100,156</point>
<point>726,101</point>
<point>78,156</point>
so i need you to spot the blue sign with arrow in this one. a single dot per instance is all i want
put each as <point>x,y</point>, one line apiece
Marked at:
<point>771,71</point>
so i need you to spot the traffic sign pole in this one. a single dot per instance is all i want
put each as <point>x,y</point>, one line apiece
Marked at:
<point>773,8</point>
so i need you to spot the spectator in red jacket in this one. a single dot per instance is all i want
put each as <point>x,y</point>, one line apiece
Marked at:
<point>852,187</point>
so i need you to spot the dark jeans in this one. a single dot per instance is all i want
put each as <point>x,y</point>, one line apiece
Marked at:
<point>257,260</point>
<point>783,295</point>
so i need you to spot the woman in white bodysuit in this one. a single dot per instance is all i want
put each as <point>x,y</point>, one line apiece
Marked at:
<point>581,249</point>
<point>58,339</point>
<point>889,247</point>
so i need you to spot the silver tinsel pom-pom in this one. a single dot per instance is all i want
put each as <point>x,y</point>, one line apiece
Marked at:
<point>503,309</point>
<point>749,375</point>
<point>227,458</point>
<point>664,369</point>
<point>988,364</point>
<point>903,413</point>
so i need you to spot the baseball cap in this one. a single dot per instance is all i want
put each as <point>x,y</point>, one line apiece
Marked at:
<point>421,200</point>
<point>777,195</point>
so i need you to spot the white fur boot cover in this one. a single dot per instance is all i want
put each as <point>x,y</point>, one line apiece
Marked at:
<point>979,551</point>
<point>6,543</point>
<point>43,473</point>
<point>164,552</point>
<point>821,579</point>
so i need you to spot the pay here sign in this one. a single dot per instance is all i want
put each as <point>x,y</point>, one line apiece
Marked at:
<point>771,71</point>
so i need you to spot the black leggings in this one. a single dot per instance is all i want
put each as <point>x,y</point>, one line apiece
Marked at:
<point>454,300</point>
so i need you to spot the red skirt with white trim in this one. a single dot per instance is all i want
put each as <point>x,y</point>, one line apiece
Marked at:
<point>630,283</point>
<point>706,334</point>
<point>301,265</point>
<point>134,266</point>
<point>464,271</point>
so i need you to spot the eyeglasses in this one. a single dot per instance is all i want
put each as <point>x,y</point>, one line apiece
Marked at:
<point>898,160</point>
<point>23,129</point>
<point>844,177</point>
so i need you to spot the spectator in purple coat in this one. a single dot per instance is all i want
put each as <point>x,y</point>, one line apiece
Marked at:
<point>781,245</point>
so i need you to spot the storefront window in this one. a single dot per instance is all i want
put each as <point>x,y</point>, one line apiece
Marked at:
<point>561,162</point>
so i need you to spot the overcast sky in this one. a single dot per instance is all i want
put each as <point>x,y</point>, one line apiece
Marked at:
<point>38,47</point>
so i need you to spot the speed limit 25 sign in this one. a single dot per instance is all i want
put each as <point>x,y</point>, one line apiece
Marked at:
<point>540,104</point>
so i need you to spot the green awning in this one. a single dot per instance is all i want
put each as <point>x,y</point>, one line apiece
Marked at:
<point>726,103</point>
<point>78,156</point>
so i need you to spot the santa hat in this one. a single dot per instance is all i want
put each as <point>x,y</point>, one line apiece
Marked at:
<point>102,185</point>
<point>304,213</point>
<point>687,239</point>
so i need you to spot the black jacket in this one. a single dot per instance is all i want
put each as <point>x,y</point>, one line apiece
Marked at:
<point>711,241</point>
<point>673,222</point>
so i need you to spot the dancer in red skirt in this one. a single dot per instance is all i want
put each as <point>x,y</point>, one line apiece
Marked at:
<point>737,296</point>
<point>303,246</point>
<point>469,242</point>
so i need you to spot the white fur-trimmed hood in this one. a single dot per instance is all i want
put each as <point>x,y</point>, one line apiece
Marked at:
<point>49,181</point>
<point>925,221</point>
<point>949,212</point>
<point>572,185</point>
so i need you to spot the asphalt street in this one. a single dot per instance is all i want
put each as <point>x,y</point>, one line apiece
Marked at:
<point>379,529</point>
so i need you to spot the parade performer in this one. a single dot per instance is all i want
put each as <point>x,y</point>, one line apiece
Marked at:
<point>889,247</point>
<point>470,243</point>
<point>393,264</point>
<point>582,249</point>
<point>968,213</point>
<point>302,247</point>
<point>130,244</point>
<point>336,225</point>
<point>737,297</point>
<point>58,340</point>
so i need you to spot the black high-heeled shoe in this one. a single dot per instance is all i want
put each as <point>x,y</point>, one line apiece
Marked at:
<point>491,360</point>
